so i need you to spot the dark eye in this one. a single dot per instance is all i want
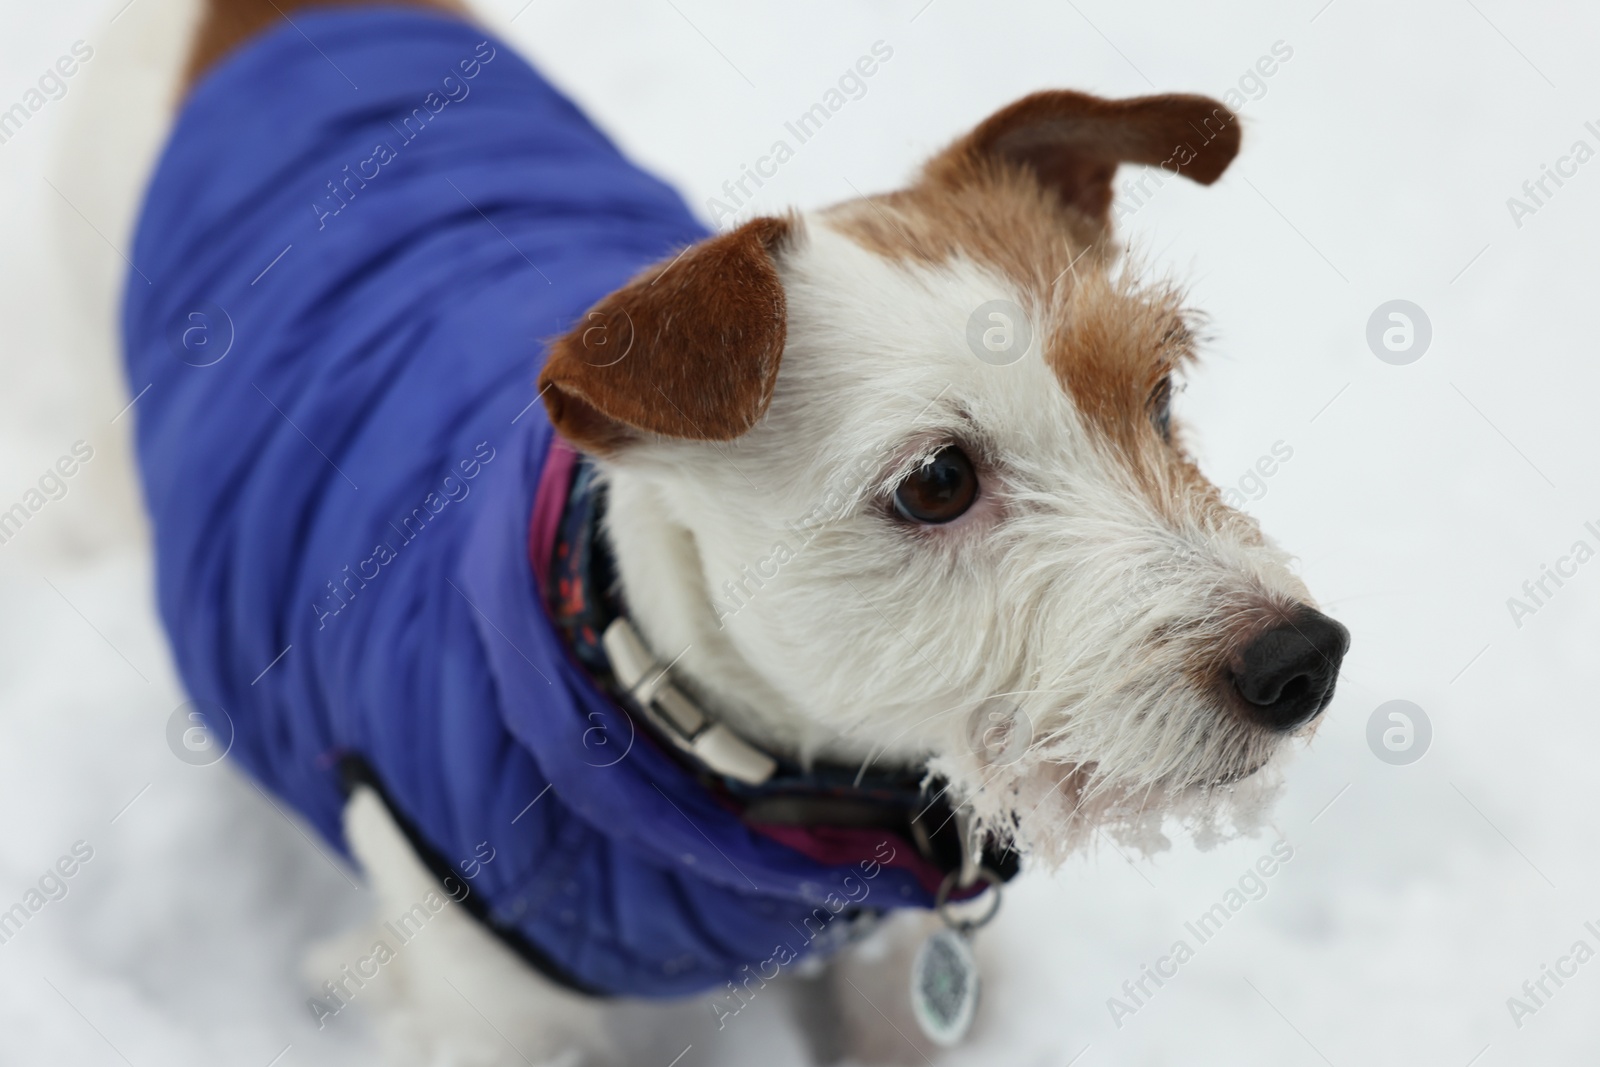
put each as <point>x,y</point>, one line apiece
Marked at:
<point>940,490</point>
<point>1161,408</point>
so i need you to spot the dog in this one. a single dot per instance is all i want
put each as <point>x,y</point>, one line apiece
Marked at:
<point>649,612</point>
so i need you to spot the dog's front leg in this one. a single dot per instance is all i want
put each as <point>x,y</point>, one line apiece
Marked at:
<point>442,989</point>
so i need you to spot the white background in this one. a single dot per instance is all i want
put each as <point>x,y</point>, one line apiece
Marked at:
<point>1376,166</point>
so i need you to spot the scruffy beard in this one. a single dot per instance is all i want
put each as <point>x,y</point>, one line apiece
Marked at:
<point>1049,811</point>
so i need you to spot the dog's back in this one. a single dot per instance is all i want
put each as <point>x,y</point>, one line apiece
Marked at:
<point>347,261</point>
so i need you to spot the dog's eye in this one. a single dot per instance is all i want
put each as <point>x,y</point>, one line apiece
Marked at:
<point>940,490</point>
<point>1161,408</point>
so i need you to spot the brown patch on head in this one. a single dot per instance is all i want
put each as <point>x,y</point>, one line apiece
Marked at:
<point>688,349</point>
<point>1029,190</point>
<point>1112,346</point>
<point>1117,346</point>
<point>1007,222</point>
<point>1028,194</point>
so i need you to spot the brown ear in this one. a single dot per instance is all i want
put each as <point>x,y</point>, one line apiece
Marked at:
<point>688,349</point>
<point>1072,142</point>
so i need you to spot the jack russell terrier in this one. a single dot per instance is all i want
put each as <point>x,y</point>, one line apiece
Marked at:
<point>651,613</point>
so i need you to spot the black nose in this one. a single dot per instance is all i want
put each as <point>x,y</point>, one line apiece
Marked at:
<point>1286,674</point>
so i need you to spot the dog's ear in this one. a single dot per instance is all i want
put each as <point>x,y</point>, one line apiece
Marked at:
<point>687,349</point>
<point>1072,142</point>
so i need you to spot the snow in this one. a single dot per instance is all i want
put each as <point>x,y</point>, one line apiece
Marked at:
<point>1377,166</point>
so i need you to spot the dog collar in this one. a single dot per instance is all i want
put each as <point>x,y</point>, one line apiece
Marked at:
<point>820,810</point>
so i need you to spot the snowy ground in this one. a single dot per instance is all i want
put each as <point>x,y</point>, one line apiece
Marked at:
<point>1378,162</point>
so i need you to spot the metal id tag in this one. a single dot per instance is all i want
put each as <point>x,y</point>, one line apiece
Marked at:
<point>945,983</point>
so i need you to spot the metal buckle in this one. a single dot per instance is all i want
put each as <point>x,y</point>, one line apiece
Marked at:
<point>675,715</point>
